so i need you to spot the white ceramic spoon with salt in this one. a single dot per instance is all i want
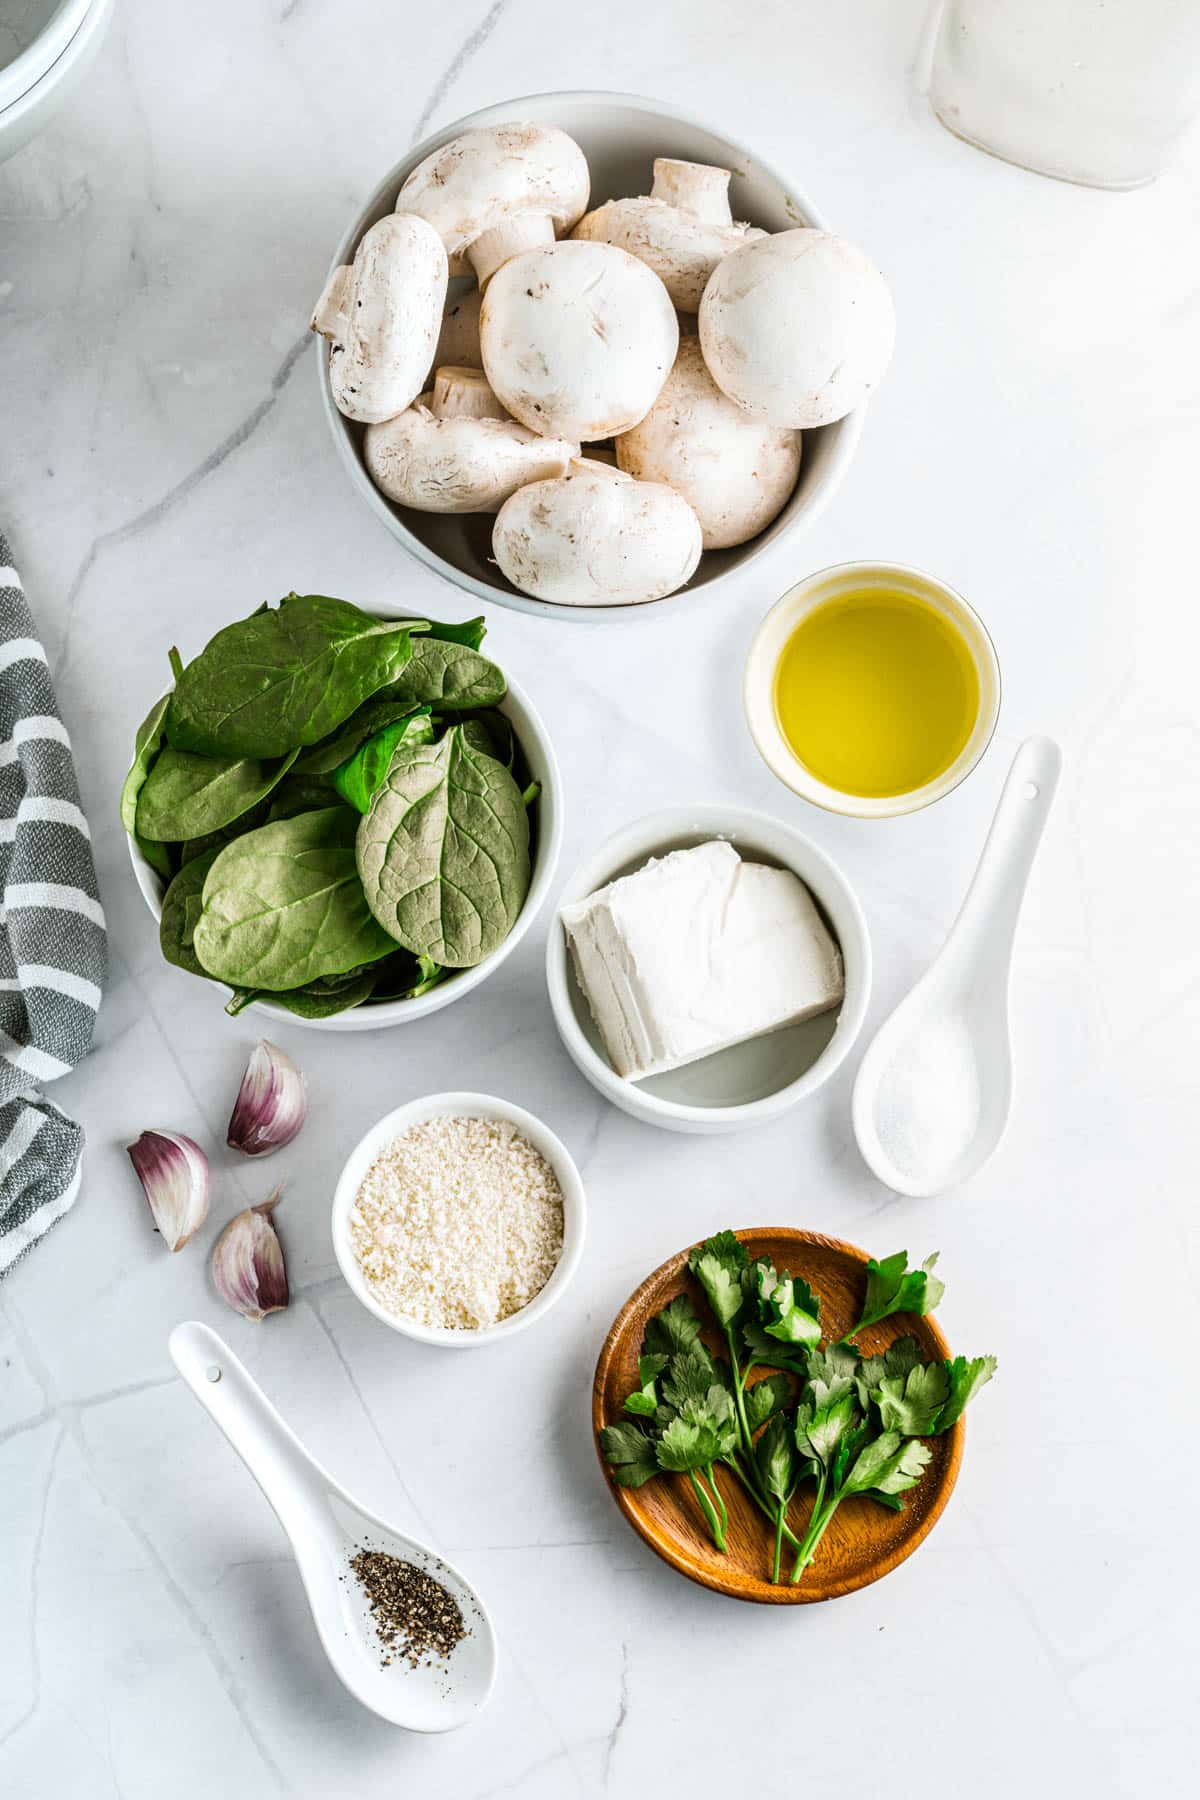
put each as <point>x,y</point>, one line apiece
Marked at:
<point>933,1091</point>
<point>326,1527</point>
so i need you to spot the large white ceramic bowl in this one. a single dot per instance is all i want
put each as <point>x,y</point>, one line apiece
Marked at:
<point>547,841</point>
<point>58,43</point>
<point>750,1083</point>
<point>620,135</point>
<point>473,1106</point>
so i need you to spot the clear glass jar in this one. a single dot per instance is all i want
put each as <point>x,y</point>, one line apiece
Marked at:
<point>1094,91</point>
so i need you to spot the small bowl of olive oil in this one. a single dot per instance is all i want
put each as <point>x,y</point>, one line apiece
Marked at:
<point>872,689</point>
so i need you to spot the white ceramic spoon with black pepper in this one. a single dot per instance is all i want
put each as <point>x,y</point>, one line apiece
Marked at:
<point>327,1528</point>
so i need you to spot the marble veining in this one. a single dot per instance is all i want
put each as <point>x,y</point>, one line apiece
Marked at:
<point>164,467</point>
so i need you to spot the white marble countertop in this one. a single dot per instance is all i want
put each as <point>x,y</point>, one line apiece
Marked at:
<point>164,466</point>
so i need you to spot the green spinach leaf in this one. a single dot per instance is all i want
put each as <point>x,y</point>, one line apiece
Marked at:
<point>146,746</point>
<point>283,905</point>
<point>471,633</point>
<point>364,722</point>
<point>285,678</point>
<point>444,852</point>
<point>319,999</point>
<point>358,779</point>
<point>181,909</point>
<point>187,796</point>
<point>447,675</point>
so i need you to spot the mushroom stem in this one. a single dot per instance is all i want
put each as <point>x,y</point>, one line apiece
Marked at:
<point>464,394</point>
<point>698,188</point>
<point>504,241</point>
<point>330,312</point>
<point>458,344</point>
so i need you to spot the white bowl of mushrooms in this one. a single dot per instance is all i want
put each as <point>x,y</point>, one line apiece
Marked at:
<point>584,353</point>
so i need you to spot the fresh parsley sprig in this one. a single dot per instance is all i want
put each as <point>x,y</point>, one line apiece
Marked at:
<point>853,1425</point>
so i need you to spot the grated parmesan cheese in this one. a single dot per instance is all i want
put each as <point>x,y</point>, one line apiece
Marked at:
<point>459,1223</point>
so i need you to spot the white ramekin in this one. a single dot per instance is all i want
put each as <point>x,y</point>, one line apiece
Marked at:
<point>756,837</point>
<point>473,1106</point>
<point>758,691</point>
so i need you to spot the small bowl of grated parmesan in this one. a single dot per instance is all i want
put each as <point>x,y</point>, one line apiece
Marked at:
<point>459,1219</point>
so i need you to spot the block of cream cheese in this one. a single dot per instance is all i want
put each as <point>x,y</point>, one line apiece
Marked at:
<point>696,951</point>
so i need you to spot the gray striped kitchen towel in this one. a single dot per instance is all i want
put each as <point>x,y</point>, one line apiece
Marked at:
<point>53,952</point>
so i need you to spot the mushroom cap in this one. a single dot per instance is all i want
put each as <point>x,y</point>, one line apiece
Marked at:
<point>682,248</point>
<point>458,465</point>
<point>494,174</point>
<point>382,318</point>
<point>798,327</point>
<point>577,339</point>
<point>596,538</point>
<point>735,471</point>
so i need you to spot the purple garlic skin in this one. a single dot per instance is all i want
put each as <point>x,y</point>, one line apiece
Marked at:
<point>247,1265</point>
<point>272,1102</point>
<point>173,1171</point>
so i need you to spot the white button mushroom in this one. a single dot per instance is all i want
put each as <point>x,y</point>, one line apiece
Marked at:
<point>734,470</point>
<point>797,328</point>
<point>457,450</point>
<point>497,190</point>
<point>681,230</point>
<point>381,315</point>
<point>596,537</point>
<point>577,339</point>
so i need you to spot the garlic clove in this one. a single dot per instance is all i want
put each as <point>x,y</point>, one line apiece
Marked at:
<point>173,1172</point>
<point>247,1264</point>
<point>271,1105</point>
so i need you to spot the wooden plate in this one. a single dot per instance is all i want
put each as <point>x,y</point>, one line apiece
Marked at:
<point>864,1540</point>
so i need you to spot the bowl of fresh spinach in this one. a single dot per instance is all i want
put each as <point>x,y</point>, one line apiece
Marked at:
<point>341,819</point>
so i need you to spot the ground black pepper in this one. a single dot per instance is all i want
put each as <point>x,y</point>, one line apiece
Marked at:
<point>415,1618</point>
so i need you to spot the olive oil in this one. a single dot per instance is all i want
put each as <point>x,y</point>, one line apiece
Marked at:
<point>876,693</point>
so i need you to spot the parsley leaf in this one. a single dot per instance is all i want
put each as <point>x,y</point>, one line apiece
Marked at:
<point>673,1329</point>
<point>629,1449</point>
<point>693,1440</point>
<point>893,1287</point>
<point>689,1376</point>
<point>775,1455</point>
<point>832,1373</point>
<point>820,1430</point>
<point>966,1378</point>
<point>766,1398</point>
<point>890,1463</point>
<point>911,1403</point>
<point>771,1353</point>
<point>644,1401</point>
<point>897,1359</point>
<point>718,1264</point>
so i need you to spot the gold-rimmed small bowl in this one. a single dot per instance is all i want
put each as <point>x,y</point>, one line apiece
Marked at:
<point>772,637</point>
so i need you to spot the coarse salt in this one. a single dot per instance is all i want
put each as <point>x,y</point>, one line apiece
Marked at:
<point>458,1223</point>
